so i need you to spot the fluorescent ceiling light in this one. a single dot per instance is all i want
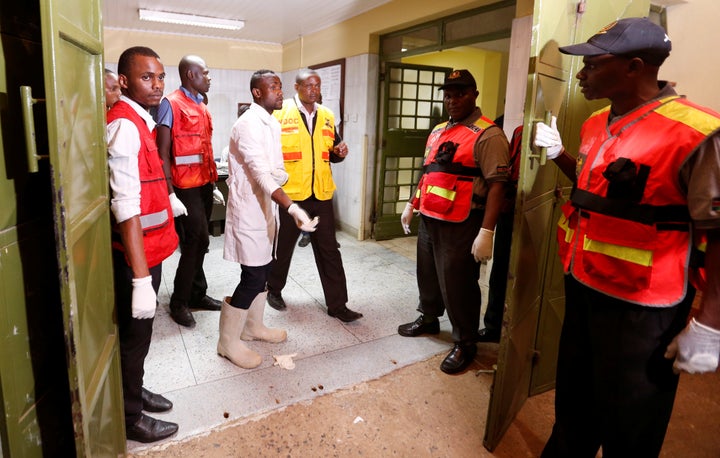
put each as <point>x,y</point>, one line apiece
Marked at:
<point>190,19</point>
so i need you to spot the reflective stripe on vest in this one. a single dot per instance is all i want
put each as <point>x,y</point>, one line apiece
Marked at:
<point>448,194</point>
<point>153,219</point>
<point>624,253</point>
<point>187,160</point>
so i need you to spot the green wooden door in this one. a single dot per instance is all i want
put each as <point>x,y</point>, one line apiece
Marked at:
<point>36,417</point>
<point>412,106</point>
<point>535,301</point>
<point>72,51</point>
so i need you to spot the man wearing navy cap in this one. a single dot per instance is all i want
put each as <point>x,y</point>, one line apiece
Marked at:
<point>646,194</point>
<point>459,197</point>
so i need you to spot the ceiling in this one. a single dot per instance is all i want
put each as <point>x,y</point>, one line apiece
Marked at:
<point>270,21</point>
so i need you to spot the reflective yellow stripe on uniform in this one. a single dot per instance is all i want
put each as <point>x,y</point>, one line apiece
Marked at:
<point>563,223</point>
<point>153,219</point>
<point>634,255</point>
<point>442,192</point>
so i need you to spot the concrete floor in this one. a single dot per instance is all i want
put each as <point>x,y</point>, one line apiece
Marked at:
<point>211,394</point>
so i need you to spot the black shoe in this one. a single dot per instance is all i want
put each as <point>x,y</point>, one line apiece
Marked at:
<point>149,429</point>
<point>419,327</point>
<point>345,315</point>
<point>488,335</point>
<point>459,358</point>
<point>304,240</point>
<point>276,301</point>
<point>208,303</point>
<point>181,315</point>
<point>153,402</point>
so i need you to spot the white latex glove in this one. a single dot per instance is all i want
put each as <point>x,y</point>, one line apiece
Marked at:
<point>406,218</point>
<point>549,137</point>
<point>143,298</point>
<point>218,198</point>
<point>482,246</point>
<point>302,219</point>
<point>280,176</point>
<point>696,349</point>
<point>178,207</point>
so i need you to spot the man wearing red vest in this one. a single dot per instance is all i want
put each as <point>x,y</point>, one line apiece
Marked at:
<point>459,197</point>
<point>143,232</point>
<point>185,142</point>
<point>647,184</point>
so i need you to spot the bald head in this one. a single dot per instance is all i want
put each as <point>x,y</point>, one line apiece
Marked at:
<point>194,74</point>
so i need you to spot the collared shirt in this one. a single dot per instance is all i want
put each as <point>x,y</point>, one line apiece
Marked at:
<point>164,115</point>
<point>123,147</point>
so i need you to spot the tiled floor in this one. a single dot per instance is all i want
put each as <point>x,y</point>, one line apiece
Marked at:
<point>208,390</point>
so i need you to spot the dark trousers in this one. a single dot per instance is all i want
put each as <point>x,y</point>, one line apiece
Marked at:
<point>497,284</point>
<point>135,336</point>
<point>253,280</point>
<point>324,244</point>
<point>447,274</point>
<point>614,388</point>
<point>190,283</point>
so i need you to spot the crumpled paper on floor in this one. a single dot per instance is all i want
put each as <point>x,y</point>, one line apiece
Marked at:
<point>285,361</point>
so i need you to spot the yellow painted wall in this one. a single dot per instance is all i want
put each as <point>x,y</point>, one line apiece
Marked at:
<point>488,67</point>
<point>693,63</point>
<point>217,53</point>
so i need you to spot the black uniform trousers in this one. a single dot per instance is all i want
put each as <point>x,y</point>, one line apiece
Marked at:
<point>614,388</point>
<point>497,283</point>
<point>324,245</point>
<point>135,336</point>
<point>447,274</point>
<point>190,283</point>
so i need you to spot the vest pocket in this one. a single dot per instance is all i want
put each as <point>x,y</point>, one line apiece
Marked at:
<point>439,193</point>
<point>619,251</point>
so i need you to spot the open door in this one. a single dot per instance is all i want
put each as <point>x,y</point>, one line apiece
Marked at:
<point>412,106</point>
<point>535,297</point>
<point>73,70</point>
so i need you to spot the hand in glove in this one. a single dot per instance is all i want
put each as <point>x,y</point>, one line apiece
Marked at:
<point>696,349</point>
<point>302,219</point>
<point>406,218</point>
<point>482,247</point>
<point>218,198</point>
<point>549,137</point>
<point>178,207</point>
<point>280,176</point>
<point>143,298</point>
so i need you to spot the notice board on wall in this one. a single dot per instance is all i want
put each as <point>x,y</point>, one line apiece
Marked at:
<point>332,85</point>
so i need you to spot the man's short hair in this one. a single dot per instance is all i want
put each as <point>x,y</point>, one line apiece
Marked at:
<point>129,54</point>
<point>304,74</point>
<point>258,76</point>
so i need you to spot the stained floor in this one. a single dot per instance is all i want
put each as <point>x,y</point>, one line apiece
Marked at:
<point>357,389</point>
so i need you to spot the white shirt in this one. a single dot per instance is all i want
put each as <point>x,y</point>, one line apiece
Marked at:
<point>123,140</point>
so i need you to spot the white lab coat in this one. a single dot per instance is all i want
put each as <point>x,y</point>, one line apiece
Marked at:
<point>251,218</point>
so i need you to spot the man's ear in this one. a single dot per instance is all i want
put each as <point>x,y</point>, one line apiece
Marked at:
<point>636,64</point>
<point>256,93</point>
<point>122,80</point>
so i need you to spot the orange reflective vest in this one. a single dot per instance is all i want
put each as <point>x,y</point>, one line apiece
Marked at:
<point>445,190</point>
<point>156,217</point>
<point>626,230</point>
<point>307,156</point>
<point>193,161</point>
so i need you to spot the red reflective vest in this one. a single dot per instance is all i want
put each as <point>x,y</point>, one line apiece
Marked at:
<point>193,161</point>
<point>626,231</point>
<point>445,190</point>
<point>156,218</point>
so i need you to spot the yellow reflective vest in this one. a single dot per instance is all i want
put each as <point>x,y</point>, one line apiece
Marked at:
<point>307,156</point>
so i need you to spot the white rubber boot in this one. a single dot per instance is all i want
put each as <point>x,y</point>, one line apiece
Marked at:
<point>232,323</point>
<point>255,329</point>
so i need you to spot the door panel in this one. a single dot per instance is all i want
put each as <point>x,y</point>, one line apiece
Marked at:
<point>72,35</point>
<point>412,107</point>
<point>535,298</point>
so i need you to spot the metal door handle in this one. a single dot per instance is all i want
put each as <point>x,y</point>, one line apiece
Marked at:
<point>28,101</point>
